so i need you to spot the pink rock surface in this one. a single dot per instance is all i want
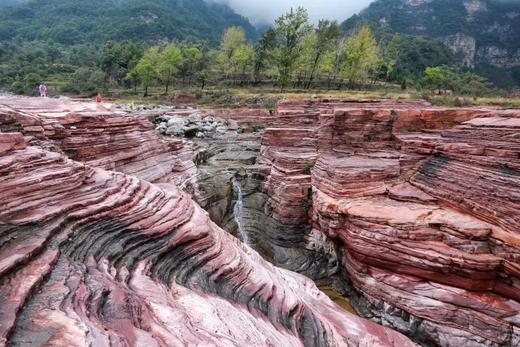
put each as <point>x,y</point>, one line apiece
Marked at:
<point>111,140</point>
<point>90,257</point>
<point>425,204</point>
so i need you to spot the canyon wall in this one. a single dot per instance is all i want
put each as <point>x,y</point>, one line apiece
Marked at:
<point>90,256</point>
<point>99,137</point>
<point>409,210</point>
<point>420,205</point>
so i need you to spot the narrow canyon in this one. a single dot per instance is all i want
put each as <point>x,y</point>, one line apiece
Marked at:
<point>323,222</point>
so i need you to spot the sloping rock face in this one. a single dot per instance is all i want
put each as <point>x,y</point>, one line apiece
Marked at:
<point>96,136</point>
<point>421,205</point>
<point>90,257</point>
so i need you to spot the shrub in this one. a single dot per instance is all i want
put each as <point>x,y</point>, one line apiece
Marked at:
<point>309,166</point>
<point>448,77</point>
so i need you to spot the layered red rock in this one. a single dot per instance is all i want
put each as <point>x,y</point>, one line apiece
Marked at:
<point>425,204</point>
<point>100,137</point>
<point>96,257</point>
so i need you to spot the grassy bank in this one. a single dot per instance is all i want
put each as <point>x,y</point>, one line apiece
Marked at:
<point>235,97</point>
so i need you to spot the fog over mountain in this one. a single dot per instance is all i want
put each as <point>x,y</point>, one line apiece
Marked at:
<point>265,11</point>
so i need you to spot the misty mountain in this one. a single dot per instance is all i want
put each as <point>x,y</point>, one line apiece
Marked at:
<point>484,34</point>
<point>96,21</point>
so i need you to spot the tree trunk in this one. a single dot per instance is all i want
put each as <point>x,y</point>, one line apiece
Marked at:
<point>313,71</point>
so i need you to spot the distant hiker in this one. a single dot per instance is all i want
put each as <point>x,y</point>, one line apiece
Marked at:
<point>43,90</point>
<point>99,98</point>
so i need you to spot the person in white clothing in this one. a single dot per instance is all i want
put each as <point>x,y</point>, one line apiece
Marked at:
<point>43,90</point>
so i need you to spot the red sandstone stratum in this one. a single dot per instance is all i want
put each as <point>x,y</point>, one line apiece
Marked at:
<point>411,211</point>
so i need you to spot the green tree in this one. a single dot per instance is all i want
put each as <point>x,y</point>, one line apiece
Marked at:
<point>191,62</point>
<point>243,60</point>
<point>475,85</point>
<point>232,39</point>
<point>203,68</point>
<point>304,62</point>
<point>262,56</point>
<point>132,78</point>
<point>146,68</point>
<point>332,62</point>
<point>117,59</point>
<point>327,34</point>
<point>235,56</point>
<point>407,57</point>
<point>31,82</point>
<point>170,59</point>
<point>449,77</point>
<point>17,86</point>
<point>361,56</point>
<point>441,77</point>
<point>290,28</point>
<point>86,79</point>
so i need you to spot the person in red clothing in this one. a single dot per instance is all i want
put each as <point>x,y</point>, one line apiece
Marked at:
<point>99,99</point>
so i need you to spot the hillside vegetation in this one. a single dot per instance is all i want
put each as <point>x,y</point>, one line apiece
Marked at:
<point>122,46</point>
<point>72,22</point>
<point>484,34</point>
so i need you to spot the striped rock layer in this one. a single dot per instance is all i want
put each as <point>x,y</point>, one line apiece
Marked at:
<point>422,205</point>
<point>99,246</point>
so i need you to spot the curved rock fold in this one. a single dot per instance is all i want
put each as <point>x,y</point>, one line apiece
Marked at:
<point>96,257</point>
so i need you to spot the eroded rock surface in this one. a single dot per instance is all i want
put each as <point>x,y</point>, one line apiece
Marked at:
<point>99,137</point>
<point>409,210</point>
<point>96,257</point>
<point>421,205</point>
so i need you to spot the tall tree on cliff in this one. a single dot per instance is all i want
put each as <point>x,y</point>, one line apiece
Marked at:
<point>290,28</point>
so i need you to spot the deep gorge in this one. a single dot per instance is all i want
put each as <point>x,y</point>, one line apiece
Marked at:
<point>407,210</point>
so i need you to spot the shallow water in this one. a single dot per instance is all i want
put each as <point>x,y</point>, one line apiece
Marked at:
<point>338,299</point>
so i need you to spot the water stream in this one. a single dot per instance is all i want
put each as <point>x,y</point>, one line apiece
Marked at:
<point>238,210</point>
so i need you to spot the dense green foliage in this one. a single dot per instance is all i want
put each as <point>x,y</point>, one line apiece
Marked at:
<point>492,24</point>
<point>449,78</point>
<point>63,40</point>
<point>295,53</point>
<point>408,56</point>
<point>291,54</point>
<point>440,18</point>
<point>72,22</point>
<point>290,30</point>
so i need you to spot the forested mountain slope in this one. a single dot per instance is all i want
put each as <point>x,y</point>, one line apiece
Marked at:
<point>96,21</point>
<point>485,34</point>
